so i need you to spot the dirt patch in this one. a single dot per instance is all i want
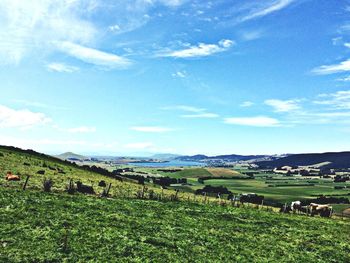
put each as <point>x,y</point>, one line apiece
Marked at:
<point>223,172</point>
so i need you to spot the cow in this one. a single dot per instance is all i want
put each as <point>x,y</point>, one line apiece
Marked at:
<point>11,177</point>
<point>295,206</point>
<point>322,210</point>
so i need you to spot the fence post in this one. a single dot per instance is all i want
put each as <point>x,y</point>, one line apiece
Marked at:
<point>25,183</point>
<point>109,188</point>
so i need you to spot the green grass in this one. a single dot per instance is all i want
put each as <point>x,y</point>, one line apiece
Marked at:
<point>41,227</point>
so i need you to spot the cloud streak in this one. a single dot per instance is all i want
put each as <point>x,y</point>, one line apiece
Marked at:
<point>200,50</point>
<point>151,129</point>
<point>283,105</point>
<point>266,9</point>
<point>258,121</point>
<point>62,68</point>
<point>93,56</point>
<point>343,66</point>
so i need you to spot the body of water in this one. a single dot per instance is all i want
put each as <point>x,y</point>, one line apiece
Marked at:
<point>172,163</point>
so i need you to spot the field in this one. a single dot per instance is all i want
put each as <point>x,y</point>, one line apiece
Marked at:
<point>48,227</point>
<point>274,187</point>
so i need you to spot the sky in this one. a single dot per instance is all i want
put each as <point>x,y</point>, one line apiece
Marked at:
<point>137,77</point>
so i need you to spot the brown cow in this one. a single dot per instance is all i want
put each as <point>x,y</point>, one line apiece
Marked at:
<point>322,210</point>
<point>11,177</point>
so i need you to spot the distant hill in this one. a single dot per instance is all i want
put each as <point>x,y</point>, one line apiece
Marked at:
<point>165,156</point>
<point>71,156</point>
<point>332,160</point>
<point>226,158</point>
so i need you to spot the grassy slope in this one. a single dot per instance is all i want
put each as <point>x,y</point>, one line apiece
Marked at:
<point>32,229</point>
<point>14,161</point>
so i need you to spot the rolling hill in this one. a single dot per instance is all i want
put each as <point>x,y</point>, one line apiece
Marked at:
<point>37,226</point>
<point>71,156</point>
<point>332,160</point>
<point>48,227</point>
<point>225,158</point>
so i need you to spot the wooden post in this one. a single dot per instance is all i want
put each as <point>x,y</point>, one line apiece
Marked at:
<point>25,183</point>
<point>109,188</point>
<point>162,195</point>
<point>205,197</point>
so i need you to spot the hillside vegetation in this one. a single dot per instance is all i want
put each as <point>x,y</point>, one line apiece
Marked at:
<point>41,227</point>
<point>330,160</point>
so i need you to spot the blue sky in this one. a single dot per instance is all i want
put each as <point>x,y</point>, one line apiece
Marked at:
<point>146,76</point>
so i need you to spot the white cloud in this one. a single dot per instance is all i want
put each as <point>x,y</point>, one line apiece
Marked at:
<point>184,108</point>
<point>29,29</point>
<point>28,26</point>
<point>247,104</point>
<point>82,129</point>
<point>251,35</point>
<point>337,100</point>
<point>114,28</point>
<point>343,66</point>
<point>201,50</point>
<point>61,67</point>
<point>172,3</point>
<point>258,121</point>
<point>266,9</point>
<point>93,56</point>
<point>283,105</point>
<point>344,79</point>
<point>139,146</point>
<point>151,129</point>
<point>201,115</point>
<point>179,74</point>
<point>11,118</point>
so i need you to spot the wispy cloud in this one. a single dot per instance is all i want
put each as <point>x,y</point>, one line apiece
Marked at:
<point>201,50</point>
<point>37,104</point>
<point>343,66</point>
<point>201,115</point>
<point>184,108</point>
<point>194,112</point>
<point>258,121</point>
<point>11,118</point>
<point>151,129</point>
<point>31,26</point>
<point>139,146</point>
<point>61,67</point>
<point>179,74</point>
<point>266,9</point>
<point>246,104</point>
<point>82,129</point>
<point>283,105</point>
<point>93,56</point>
<point>251,35</point>
<point>337,100</point>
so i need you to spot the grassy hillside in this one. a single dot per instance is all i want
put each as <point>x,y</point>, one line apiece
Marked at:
<point>37,227</point>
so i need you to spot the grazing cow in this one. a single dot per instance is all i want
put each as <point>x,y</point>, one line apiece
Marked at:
<point>12,177</point>
<point>82,188</point>
<point>285,209</point>
<point>322,210</point>
<point>295,206</point>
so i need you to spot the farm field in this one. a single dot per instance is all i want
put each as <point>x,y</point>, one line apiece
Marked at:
<point>48,227</point>
<point>274,187</point>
